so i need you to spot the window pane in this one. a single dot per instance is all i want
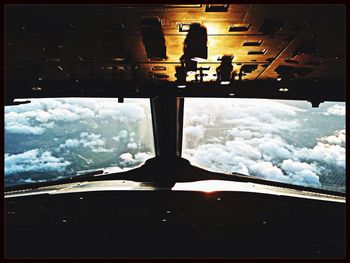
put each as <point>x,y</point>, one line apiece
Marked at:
<point>49,139</point>
<point>285,141</point>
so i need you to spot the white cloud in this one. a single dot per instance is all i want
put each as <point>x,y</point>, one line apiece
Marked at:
<point>194,131</point>
<point>33,118</point>
<point>301,173</point>
<point>40,115</point>
<point>20,123</point>
<point>116,138</point>
<point>198,120</point>
<point>70,143</point>
<point>126,157</point>
<point>324,153</point>
<point>242,148</point>
<point>268,171</point>
<point>241,168</point>
<point>193,134</point>
<point>247,136</point>
<point>338,138</point>
<point>121,112</point>
<point>273,148</point>
<point>24,129</point>
<point>338,110</point>
<point>94,142</point>
<point>43,116</point>
<point>89,140</point>
<point>33,161</point>
<point>132,145</point>
<point>241,133</point>
<point>123,134</point>
<point>129,160</point>
<point>84,134</point>
<point>50,124</point>
<point>102,149</point>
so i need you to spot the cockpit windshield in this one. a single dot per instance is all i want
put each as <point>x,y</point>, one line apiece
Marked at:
<point>284,141</point>
<point>50,139</point>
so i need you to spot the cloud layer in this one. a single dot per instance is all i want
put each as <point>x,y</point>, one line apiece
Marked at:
<point>338,110</point>
<point>34,161</point>
<point>62,130</point>
<point>253,137</point>
<point>41,114</point>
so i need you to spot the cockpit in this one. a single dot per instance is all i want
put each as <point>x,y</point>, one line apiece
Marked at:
<point>174,131</point>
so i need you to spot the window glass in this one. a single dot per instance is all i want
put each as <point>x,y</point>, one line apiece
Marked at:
<point>284,141</point>
<point>49,139</point>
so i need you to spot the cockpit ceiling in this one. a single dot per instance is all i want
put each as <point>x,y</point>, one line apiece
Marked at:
<point>52,50</point>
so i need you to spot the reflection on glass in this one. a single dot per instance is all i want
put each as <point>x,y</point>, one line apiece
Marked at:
<point>50,139</point>
<point>285,141</point>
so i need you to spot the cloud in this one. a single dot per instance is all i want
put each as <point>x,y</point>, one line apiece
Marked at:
<point>132,145</point>
<point>130,160</point>
<point>85,117</point>
<point>126,157</point>
<point>123,134</point>
<point>198,120</point>
<point>34,161</point>
<point>94,142</point>
<point>193,134</point>
<point>237,132</point>
<point>121,112</point>
<point>338,138</point>
<point>20,123</point>
<point>268,171</point>
<point>301,173</point>
<point>128,138</point>
<point>116,138</point>
<point>70,143</point>
<point>91,140</point>
<point>102,149</point>
<point>332,155</point>
<point>338,110</point>
<point>255,137</point>
<point>24,129</point>
<point>88,140</point>
<point>33,118</point>
<point>329,150</point>
<point>273,148</point>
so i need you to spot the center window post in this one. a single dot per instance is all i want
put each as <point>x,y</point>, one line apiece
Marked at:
<point>179,124</point>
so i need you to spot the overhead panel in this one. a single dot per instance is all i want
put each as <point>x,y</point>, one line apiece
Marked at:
<point>145,43</point>
<point>315,53</point>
